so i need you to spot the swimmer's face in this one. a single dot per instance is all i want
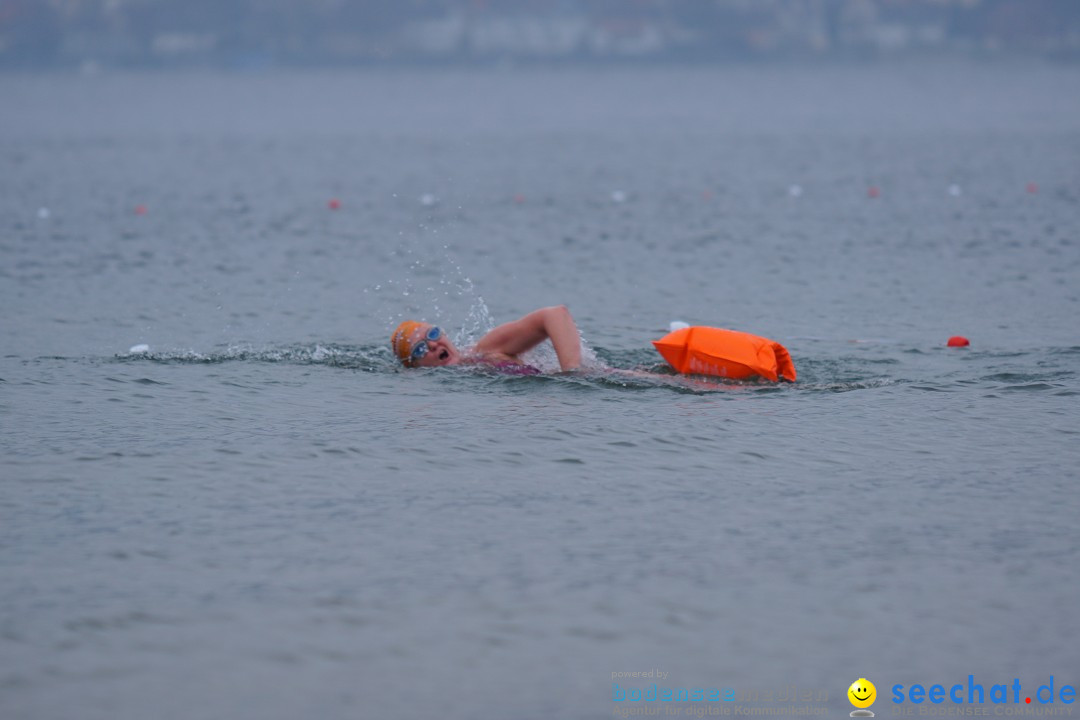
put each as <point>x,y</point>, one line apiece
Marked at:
<point>440,351</point>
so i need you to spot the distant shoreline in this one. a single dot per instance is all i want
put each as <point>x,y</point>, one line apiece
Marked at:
<point>958,59</point>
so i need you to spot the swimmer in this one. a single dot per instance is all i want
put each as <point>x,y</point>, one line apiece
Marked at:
<point>420,344</point>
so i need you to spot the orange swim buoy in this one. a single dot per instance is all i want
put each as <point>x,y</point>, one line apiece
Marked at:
<point>700,350</point>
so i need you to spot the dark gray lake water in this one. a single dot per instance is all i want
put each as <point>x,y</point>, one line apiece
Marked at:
<point>261,517</point>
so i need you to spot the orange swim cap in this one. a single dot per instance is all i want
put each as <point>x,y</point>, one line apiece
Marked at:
<point>401,339</point>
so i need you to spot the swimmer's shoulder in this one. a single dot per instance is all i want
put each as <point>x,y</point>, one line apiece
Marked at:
<point>504,363</point>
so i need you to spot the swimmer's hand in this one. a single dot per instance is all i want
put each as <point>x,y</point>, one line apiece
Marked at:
<point>551,323</point>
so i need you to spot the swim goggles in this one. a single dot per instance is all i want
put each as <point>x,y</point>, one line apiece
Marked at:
<point>420,349</point>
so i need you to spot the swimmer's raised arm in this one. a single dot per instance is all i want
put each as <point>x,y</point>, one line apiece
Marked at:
<point>554,323</point>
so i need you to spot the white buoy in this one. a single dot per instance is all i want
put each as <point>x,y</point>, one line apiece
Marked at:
<point>43,213</point>
<point>795,191</point>
<point>677,325</point>
<point>955,191</point>
<point>138,349</point>
<point>427,199</point>
<point>618,196</point>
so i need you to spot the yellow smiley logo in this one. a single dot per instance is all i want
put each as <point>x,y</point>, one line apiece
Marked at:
<point>862,693</point>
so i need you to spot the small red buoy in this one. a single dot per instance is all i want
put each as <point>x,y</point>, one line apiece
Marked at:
<point>873,191</point>
<point>706,195</point>
<point>1032,188</point>
<point>519,198</point>
<point>958,341</point>
<point>334,204</point>
<point>140,209</point>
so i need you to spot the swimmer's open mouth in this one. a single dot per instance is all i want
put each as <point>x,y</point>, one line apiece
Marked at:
<point>444,354</point>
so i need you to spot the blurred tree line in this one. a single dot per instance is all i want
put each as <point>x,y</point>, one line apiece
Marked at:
<point>270,32</point>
